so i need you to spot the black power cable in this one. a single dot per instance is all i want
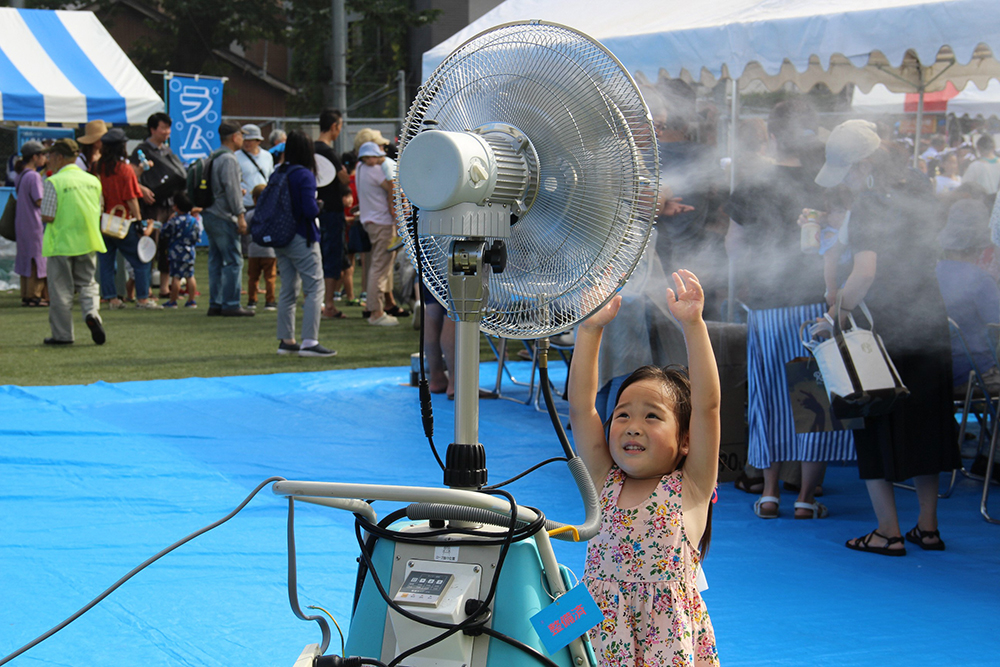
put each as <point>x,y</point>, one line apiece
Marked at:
<point>426,411</point>
<point>543,380</point>
<point>527,472</point>
<point>521,646</point>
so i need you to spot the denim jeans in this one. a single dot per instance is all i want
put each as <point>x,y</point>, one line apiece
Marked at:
<point>128,247</point>
<point>225,262</point>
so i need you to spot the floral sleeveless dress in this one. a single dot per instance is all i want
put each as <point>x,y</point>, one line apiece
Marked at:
<point>641,569</point>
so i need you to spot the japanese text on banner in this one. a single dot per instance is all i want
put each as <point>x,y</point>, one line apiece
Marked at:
<point>196,109</point>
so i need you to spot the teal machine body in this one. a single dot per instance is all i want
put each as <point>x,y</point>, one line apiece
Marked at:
<point>378,632</point>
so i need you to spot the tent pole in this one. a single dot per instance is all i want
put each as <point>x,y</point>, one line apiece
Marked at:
<point>734,117</point>
<point>920,122</point>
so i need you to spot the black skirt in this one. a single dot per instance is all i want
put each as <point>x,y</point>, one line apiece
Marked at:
<point>919,437</point>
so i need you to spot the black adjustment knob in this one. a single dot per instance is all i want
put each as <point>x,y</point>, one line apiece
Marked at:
<point>496,256</point>
<point>465,466</point>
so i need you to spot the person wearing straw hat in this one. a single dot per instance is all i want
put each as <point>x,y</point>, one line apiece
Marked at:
<point>375,212</point>
<point>892,240</point>
<point>71,207</point>
<point>90,144</point>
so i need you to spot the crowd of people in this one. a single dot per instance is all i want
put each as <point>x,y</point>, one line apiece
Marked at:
<point>818,223</point>
<point>148,225</point>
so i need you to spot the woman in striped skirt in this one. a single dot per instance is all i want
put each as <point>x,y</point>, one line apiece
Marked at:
<point>782,288</point>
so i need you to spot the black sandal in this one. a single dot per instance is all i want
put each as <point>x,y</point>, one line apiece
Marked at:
<point>753,485</point>
<point>918,536</point>
<point>862,544</point>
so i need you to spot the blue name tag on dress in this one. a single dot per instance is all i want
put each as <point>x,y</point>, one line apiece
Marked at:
<point>570,616</point>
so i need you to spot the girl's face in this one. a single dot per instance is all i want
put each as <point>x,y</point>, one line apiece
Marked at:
<point>643,434</point>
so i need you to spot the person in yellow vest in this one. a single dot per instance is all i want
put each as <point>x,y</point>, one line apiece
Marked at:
<point>71,209</point>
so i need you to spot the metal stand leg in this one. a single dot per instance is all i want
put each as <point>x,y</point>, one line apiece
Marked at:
<point>501,354</point>
<point>989,477</point>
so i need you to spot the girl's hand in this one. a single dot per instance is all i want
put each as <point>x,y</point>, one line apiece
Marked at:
<point>688,302</point>
<point>603,317</point>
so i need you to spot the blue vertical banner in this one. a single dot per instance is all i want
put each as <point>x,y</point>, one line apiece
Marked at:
<point>195,105</point>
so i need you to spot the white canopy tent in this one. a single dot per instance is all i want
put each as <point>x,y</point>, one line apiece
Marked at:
<point>909,46</point>
<point>904,44</point>
<point>64,67</point>
<point>970,102</point>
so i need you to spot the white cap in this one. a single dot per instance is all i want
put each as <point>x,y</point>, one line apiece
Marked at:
<point>370,149</point>
<point>850,142</point>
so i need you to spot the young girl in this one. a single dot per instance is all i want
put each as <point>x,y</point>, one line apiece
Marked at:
<point>656,466</point>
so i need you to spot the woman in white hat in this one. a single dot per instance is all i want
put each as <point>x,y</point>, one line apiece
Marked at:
<point>892,236</point>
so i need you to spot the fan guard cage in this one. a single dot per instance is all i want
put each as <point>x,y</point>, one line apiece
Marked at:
<point>597,171</point>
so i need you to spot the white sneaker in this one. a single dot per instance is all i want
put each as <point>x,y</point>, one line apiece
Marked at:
<point>386,320</point>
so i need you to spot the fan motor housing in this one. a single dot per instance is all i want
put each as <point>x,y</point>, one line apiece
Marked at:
<point>468,184</point>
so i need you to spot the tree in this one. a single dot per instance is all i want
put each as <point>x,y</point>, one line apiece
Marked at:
<point>192,29</point>
<point>377,49</point>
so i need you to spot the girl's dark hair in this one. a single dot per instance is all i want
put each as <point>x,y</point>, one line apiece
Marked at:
<point>182,202</point>
<point>349,160</point>
<point>676,381</point>
<point>299,150</point>
<point>87,151</point>
<point>111,155</point>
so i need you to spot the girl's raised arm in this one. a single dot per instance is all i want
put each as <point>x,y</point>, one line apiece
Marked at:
<point>701,467</point>
<point>588,432</point>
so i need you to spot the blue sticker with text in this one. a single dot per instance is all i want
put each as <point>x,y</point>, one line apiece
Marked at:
<point>569,617</point>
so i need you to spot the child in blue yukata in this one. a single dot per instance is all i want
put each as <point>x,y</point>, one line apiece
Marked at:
<point>182,230</point>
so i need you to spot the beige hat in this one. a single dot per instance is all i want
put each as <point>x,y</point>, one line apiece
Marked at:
<point>850,142</point>
<point>366,135</point>
<point>95,130</point>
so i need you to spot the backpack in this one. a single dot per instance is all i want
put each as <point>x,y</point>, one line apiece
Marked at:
<point>273,224</point>
<point>165,177</point>
<point>199,181</point>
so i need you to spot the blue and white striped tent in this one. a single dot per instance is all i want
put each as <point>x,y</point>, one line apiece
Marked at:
<point>64,67</point>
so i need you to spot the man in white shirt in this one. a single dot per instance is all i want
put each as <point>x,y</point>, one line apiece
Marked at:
<point>256,164</point>
<point>985,171</point>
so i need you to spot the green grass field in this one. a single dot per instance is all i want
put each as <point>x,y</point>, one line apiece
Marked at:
<point>163,344</point>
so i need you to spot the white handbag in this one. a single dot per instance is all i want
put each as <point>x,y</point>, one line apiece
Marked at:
<point>859,376</point>
<point>115,224</point>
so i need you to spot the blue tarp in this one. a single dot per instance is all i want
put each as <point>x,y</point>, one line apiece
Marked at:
<point>98,478</point>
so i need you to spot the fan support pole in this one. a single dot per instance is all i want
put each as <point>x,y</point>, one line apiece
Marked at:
<point>465,464</point>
